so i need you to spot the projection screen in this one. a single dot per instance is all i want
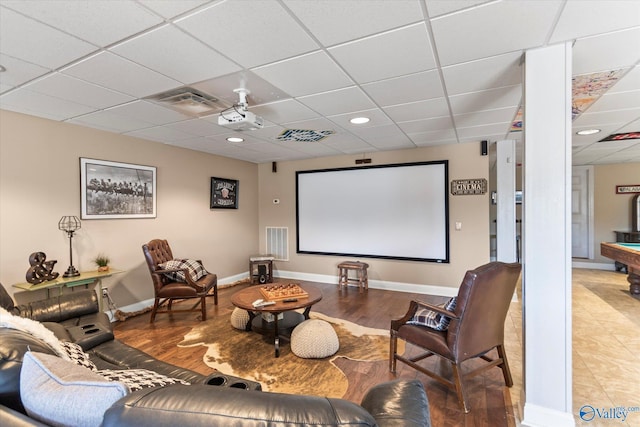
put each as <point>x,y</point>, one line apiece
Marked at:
<point>398,211</point>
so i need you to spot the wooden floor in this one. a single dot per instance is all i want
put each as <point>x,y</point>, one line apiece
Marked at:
<point>489,398</point>
<point>606,349</point>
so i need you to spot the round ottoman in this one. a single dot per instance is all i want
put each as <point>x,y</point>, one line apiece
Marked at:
<point>239,318</point>
<point>314,339</point>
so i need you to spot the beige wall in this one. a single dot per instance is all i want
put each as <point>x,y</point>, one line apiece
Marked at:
<point>469,247</point>
<point>612,211</point>
<point>39,183</point>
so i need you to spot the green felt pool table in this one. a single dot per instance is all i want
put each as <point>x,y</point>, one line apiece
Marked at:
<point>629,254</point>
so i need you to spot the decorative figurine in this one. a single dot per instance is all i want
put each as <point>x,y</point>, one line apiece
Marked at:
<point>40,269</point>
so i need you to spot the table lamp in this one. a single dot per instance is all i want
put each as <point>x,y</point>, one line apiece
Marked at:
<point>70,224</point>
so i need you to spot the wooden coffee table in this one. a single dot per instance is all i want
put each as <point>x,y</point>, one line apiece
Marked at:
<point>278,328</point>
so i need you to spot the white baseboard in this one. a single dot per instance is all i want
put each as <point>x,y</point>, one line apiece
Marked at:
<point>594,265</point>
<point>540,416</point>
<point>374,284</point>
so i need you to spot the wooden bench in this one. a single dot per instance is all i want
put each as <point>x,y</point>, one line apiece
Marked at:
<point>362,278</point>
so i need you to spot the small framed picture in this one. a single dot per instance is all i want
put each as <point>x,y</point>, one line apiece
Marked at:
<point>113,190</point>
<point>224,193</point>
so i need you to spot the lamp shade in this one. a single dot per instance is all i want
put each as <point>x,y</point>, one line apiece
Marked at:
<point>69,224</point>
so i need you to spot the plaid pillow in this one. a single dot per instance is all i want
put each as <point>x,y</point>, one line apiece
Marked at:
<point>76,354</point>
<point>137,379</point>
<point>195,268</point>
<point>431,319</point>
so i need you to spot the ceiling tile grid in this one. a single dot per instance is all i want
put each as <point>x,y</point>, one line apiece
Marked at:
<point>426,72</point>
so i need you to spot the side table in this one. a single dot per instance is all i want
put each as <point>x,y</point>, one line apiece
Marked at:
<point>261,269</point>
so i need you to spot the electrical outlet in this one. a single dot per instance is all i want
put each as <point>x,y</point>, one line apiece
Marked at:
<point>105,292</point>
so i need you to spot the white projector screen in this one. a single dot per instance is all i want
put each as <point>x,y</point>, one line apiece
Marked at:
<point>398,211</point>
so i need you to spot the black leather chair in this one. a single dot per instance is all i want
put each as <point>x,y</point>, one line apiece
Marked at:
<point>158,252</point>
<point>476,328</point>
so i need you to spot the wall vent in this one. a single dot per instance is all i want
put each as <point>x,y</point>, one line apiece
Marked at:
<point>278,243</point>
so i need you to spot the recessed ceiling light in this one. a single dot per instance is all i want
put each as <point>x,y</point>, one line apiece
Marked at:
<point>587,132</point>
<point>360,120</point>
<point>234,139</point>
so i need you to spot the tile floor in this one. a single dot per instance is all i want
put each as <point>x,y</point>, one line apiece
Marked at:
<point>606,346</point>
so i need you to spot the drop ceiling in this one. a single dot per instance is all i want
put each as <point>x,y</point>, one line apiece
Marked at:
<point>426,73</point>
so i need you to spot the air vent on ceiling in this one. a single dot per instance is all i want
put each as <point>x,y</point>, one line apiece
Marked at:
<point>190,101</point>
<point>304,135</point>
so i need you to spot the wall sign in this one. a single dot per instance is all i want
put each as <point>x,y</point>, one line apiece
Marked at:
<point>627,189</point>
<point>461,187</point>
<point>224,193</point>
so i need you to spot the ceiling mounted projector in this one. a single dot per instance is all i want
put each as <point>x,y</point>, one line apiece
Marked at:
<point>238,117</point>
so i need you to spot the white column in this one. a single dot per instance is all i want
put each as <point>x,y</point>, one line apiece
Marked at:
<point>506,200</point>
<point>547,238</point>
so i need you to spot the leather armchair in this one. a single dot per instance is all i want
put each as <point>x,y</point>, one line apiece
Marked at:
<point>476,328</point>
<point>166,290</point>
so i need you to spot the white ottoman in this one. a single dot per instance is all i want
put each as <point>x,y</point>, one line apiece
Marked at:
<point>314,339</point>
<point>239,318</point>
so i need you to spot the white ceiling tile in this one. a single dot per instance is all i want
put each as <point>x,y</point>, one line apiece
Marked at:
<point>37,43</point>
<point>381,136</point>
<point>176,55</point>
<point>200,127</point>
<point>78,91</point>
<point>149,112</point>
<point>607,52</point>
<point>486,100</point>
<point>338,101</point>
<point>249,45</point>
<point>497,71</point>
<point>619,116</point>
<point>391,54</point>
<point>285,111</point>
<point>418,110</point>
<point>4,88</point>
<point>376,118</point>
<point>119,74</point>
<point>436,137</point>
<point>581,18</point>
<point>630,81</point>
<point>440,7</point>
<point>160,133</point>
<point>34,103</point>
<point>484,131</point>
<point>492,29</point>
<point>170,9</point>
<point>298,76</point>
<point>260,91</point>
<point>348,143</point>
<point>337,22</point>
<point>400,90</point>
<point>18,71</point>
<point>478,118</point>
<point>616,101</point>
<point>100,22</point>
<point>630,127</point>
<point>318,124</point>
<point>107,120</point>
<point>418,126</point>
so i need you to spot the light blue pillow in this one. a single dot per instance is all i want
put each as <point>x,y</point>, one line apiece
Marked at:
<point>60,393</point>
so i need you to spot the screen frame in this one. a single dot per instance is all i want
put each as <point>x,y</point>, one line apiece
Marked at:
<point>444,191</point>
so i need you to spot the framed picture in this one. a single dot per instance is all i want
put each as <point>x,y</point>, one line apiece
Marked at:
<point>224,193</point>
<point>112,190</point>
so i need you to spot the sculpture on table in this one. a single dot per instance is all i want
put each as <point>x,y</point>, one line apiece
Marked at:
<point>40,270</point>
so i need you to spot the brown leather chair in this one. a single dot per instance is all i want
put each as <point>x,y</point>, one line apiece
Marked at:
<point>167,290</point>
<point>476,327</point>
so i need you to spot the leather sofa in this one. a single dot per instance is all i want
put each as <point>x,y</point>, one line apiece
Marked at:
<point>238,403</point>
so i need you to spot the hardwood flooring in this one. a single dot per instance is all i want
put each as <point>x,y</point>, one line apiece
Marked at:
<point>606,349</point>
<point>489,398</point>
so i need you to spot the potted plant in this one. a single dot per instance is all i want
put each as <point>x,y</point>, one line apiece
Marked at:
<point>102,261</point>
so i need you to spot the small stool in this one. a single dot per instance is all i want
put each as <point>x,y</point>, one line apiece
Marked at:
<point>239,319</point>
<point>261,269</point>
<point>314,339</point>
<point>362,278</point>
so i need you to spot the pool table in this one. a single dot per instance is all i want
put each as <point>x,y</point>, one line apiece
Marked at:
<point>629,254</point>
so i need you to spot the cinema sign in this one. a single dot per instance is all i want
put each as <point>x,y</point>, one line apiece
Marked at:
<point>462,187</point>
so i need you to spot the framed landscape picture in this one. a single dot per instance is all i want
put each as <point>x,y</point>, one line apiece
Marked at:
<point>113,190</point>
<point>224,193</point>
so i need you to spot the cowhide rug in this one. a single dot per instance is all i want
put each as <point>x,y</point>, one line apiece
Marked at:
<point>251,356</point>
